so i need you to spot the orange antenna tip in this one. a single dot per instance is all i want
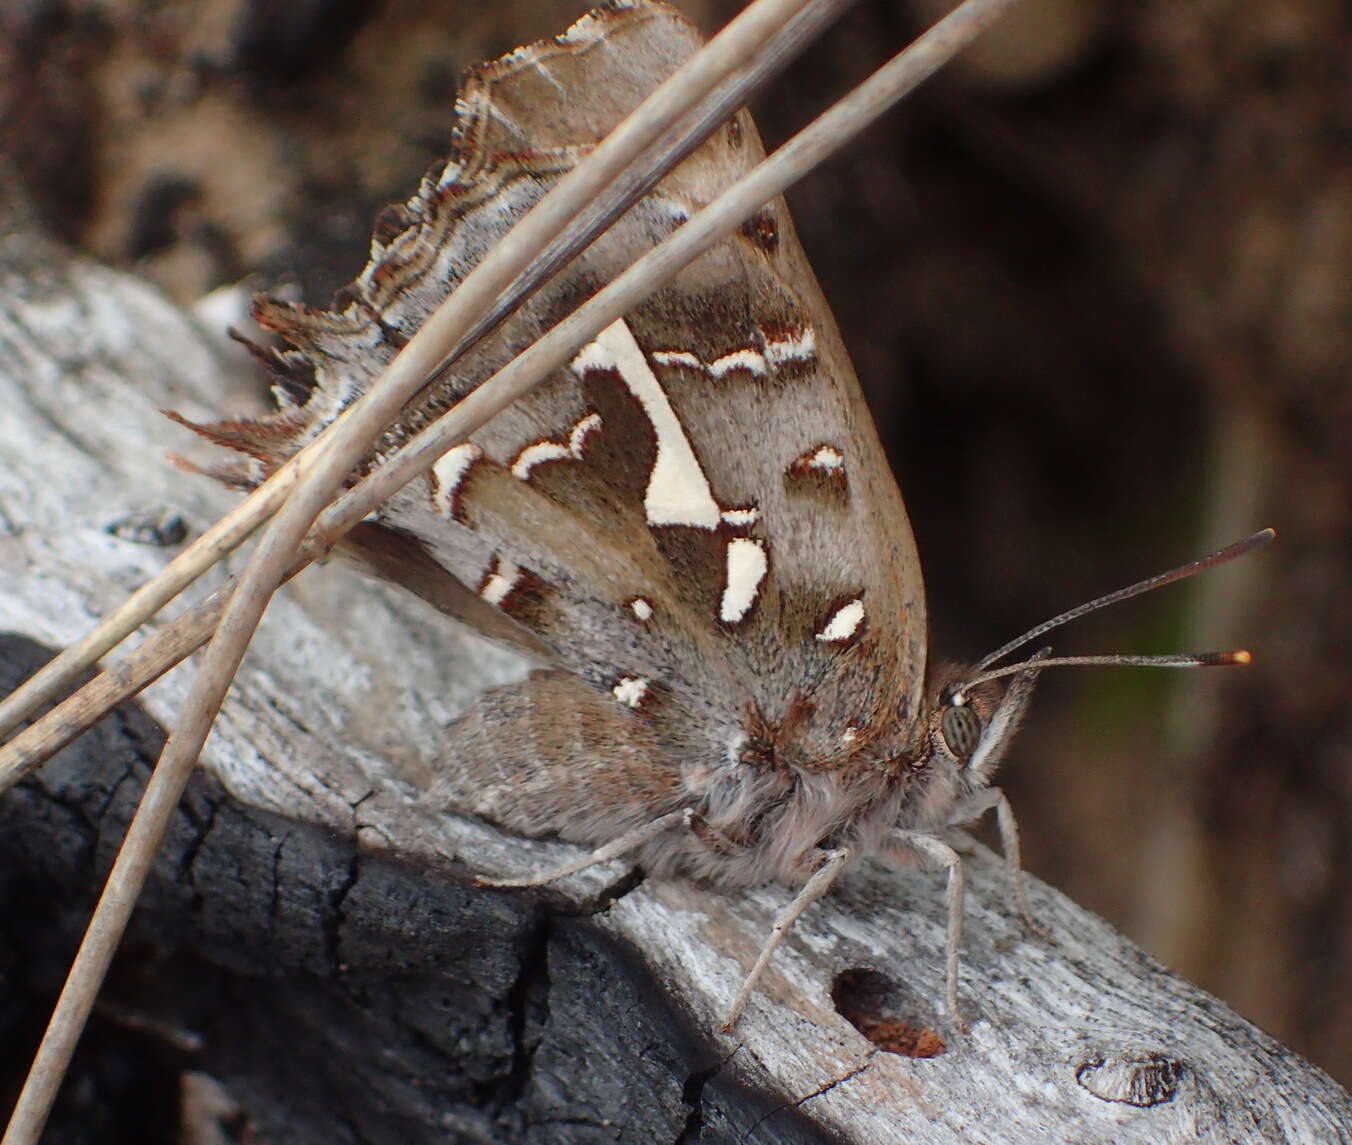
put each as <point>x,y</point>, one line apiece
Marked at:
<point>1222,659</point>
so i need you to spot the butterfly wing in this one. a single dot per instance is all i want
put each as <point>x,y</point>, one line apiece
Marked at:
<point>694,522</point>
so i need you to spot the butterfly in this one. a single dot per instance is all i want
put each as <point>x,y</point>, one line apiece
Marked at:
<point>692,529</point>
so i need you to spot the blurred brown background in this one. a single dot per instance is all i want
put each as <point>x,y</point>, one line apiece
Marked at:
<point>1096,283</point>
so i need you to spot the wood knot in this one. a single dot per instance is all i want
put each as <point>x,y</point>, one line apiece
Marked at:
<point>157,525</point>
<point>1135,1077</point>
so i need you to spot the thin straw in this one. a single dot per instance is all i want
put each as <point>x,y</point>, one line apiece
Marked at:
<point>183,636</point>
<point>633,158</point>
<point>443,334</point>
<point>58,674</point>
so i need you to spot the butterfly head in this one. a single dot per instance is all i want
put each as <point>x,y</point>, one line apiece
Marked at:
<point>972,715</point>
<point>970,726</point>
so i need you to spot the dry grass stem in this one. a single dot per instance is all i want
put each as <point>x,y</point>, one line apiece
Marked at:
<point>674,121</point>
<point>442,337</point>
<point>443,334</point>
<point>185,635</point>
<point>227,534</point>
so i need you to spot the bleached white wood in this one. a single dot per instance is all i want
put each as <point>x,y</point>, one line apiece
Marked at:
<point>335,720</point>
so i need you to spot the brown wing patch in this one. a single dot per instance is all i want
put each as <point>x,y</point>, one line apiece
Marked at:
<point>619,457</point>
<point>515,590</point>
<point>448,476</point>
<point>761,231</point>
<point>820,472</point>
<point>570,447</point>
<point>790,349</point>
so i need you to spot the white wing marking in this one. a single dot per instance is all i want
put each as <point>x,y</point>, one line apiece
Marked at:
<point>747,566</point>
<point>678,492</point>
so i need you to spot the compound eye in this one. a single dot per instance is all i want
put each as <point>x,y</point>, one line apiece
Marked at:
<point>962,731</point>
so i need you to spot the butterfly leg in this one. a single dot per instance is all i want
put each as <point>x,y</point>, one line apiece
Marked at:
<point>629,841</point>
<point>934,852</point>
<point>971,809</point>
<point>833,862</point>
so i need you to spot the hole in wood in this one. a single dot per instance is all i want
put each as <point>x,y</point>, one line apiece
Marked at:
<point>879,1009</point>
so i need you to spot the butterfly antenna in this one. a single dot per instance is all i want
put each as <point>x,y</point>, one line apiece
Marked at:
<point>1171,660</point>
<point>1197,660</point>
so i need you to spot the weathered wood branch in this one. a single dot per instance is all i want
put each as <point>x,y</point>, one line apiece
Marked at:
<point>313,938</point>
